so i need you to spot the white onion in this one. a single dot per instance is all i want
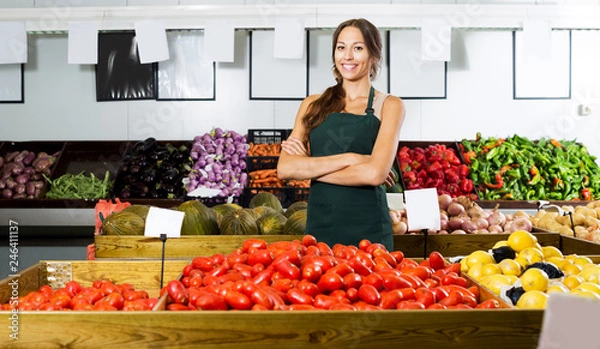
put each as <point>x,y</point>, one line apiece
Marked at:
<point>444,201</point>
<point>455,209</point>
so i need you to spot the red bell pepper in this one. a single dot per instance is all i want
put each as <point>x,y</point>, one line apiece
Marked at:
<point>586,194</point>
<point>466,186</point>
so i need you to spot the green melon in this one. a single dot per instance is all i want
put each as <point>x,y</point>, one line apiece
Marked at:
<point>198,220</point>
<point>266,199</point>
<point>255,214</point>
<point>262,210</point>
<point>218,216</point>
<point>225,208</point>
<point>296,206</point>
<point>271,224</point>
<point>123,223</point>
<point>296,224</point>
<point>240,222</point>
<point>140,210</point>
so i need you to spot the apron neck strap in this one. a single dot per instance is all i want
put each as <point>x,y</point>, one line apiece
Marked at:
<point>370,109</point>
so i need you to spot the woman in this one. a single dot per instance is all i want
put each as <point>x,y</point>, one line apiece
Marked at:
<point>345,140</point>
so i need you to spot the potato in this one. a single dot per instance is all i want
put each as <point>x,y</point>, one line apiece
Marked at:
<point>554,226</point>
<point>592,222</point>
<point>568,208</point>
<point>564,220</point>
<point>565,230</point>
<point>578,219</point>
<point>579,230</point>
<point>534,221</point>
<point>539,214</point>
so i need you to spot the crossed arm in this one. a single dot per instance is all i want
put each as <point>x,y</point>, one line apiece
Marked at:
<point>349,169</point>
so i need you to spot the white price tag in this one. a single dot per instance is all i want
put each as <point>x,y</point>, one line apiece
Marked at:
<point>163,221</point>
<point>422,209</point>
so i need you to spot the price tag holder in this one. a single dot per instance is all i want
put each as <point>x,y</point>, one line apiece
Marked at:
<point>163,221</point>
<point>204,192</point>
<point>422,209</point>
<point>570,322</point>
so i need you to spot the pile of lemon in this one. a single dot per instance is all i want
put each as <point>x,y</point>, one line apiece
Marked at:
<point>582,276</point>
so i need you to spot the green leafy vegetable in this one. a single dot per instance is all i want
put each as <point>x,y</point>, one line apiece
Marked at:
<point>79,186</point>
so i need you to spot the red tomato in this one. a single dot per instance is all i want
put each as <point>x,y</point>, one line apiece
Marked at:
<point>381,265</point>
<point>340,295</point>
<point>407,264</point>
<point>238,301</point>
<point>176,291</point>
<point>324,302</point>
<point>131,295</point>
<point>256,268</point>
<point>211,301</point>
<point>398,256</point>
<point>196,272</point>
<point>374,280</point>
<point>421,272</point>
<point>258,307</point>
<point>311,272</point>
<point>82,307</point>
<point>462,306</point>
<point>203,263</point>
<point>380,253</point>
<point>264,257</point>
<point>410,305</point>
<point>369,294</point>
<point>425,296</point>
<point>297,296</point>
<point>78,299</point>
<point>489,304</point>
<point>254,243</point>
<point>363,244</point>
<point>342,269</point>
<point>312,251</point>
<point>61,301</point>
<point>352,280</point>
<point>475,291</point>
<point>436,260</point>
<point>431,282</point>
<point>425,263</point>
<point>234,258</point>
<point>296,307</point>
<point>374,246</point>
<point>243,269</point>
<point>282,285</point>
<point>440,293</point>
<point>47,290</point>
<point>186,281</point>
<point>352,294</point>
<point>414,281</point>
<point>293,256</point>
<point>436,306</point>
<point>308,287</point>
<point>453,298</point>
<point>392,282</point>
<point>454,267</point>
<point>309,240</point>
<point>288,269</point>
<point>218,271</point>
<point>114,299</point>
<point>469,300</point>
<point>177,307</point>
<point>359,266</point>
<point>324,262</point>
<point>324,249</point>
<point>73,287</point>
<point>454,280</point>
<point>330,282</point>
<point>342,306</point>
<point>361,305</point>
<point>390,299</point>
<point>125,287</point>
<point>263,276</point>
<point>262,297</point>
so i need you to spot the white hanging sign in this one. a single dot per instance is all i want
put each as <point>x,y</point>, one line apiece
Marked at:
<point>13,42</point>
<point>163,221</point>
<point>83,42</point>
<point>219,36</point>
<point>436,40</point>
<point>152,41</point>
<point>422,209</point>
<point>289,38</point>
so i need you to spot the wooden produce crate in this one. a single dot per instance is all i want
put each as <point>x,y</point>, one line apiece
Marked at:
<point>489,328</point>
<point>571,245</point>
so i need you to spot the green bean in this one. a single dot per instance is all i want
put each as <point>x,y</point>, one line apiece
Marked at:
<point>79,186</point>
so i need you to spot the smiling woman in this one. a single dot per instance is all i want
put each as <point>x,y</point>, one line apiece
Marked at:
<point>345,140</point>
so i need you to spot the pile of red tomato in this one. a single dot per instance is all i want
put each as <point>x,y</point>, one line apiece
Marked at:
<point>102,295</point>
<point>310,275</point>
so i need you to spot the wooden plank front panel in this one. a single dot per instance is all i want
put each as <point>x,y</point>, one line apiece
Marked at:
<point>582,247</point>
<point>457,245</point>
<point>490,329</point>
<point>184,247</point>
<point>28,280</point>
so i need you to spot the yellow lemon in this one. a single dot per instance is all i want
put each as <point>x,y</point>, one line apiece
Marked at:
<point>495,282</point>
<point>510,267</point>
<point>532,254</point>
<point>491,269</point>
<point>464,267</point>
<point>532,300</point>
<point>572,257</point>
<point>512,278</point>
<point>476,272</point>
<point>479,257</point>
<point>571,269</point>
<point>500,243</point>
<point>582,260</point>
<point>557,287</point>
<point>558,261</point>
<point>534,279</point>
<point>572,281</point>
<point>589,286</point>
<point>520,240</point>
<point>590,273</point>
<point>551,251</point>
<point>523,262</point>
<point>584,293</point>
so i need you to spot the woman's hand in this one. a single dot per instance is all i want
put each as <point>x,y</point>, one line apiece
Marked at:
<point>391,179</point>
<point>294,146</point>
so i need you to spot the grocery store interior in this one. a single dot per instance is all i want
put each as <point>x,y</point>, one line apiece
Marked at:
<point>485,77</point>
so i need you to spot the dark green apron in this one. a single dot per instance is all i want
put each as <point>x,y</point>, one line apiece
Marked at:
<point>347,214</point>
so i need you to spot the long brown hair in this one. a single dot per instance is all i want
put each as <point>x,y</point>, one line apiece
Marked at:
<point>332,99</point>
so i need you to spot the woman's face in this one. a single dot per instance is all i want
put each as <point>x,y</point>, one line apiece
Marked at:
<point>351,55</point>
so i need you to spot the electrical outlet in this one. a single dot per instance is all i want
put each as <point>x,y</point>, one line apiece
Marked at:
<point>584,110</point>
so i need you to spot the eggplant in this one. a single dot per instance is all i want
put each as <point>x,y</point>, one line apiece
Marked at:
<point>1,161</point>
<point>29,158</point>
<point>149,176</point>
<point>42,164</point>
<point>145,145</point>
<point>18,168</point>
<point>38,193</point>
<point>170,175</point>
<point>11,156</point>
<point>30,188</point>
<point>11,184</point>
<point>22,178</point>
<point>38,184</point>
<point>29,170</point>
<point>125,193</point>
<point>20,196</point>
<point>20,189</point>
<point>153,194</point>
<point>2,183</point>
<point>7,193</point>
<point>22,155</point>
